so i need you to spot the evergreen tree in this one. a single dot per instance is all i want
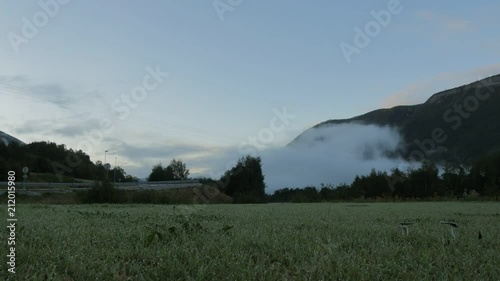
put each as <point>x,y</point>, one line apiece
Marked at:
<point>245,181</point>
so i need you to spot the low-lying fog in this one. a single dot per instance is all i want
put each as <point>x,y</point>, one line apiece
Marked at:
<point>334,155</point>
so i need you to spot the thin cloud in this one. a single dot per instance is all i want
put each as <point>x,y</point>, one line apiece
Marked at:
<point>419,92</point>
<point>45,92</point>
<point>445,23</point>
<point>76,128</point>
<point>425,15</point>
<point>156,151</point>
<point>139,159</point>
<point>70,126</point>
<point>459,25</point>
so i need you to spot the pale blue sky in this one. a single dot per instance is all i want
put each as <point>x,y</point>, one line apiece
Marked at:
<point>227,76</point>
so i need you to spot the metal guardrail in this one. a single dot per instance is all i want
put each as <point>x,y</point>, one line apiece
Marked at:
<point>49,184</point>
<point>125,185</point>
<point>173,182</point>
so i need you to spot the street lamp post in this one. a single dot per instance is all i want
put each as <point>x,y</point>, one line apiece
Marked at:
<point>105,164</point>
<point>114,173</point>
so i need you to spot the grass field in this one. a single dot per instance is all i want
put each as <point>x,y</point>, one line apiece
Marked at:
<point>347,241</point>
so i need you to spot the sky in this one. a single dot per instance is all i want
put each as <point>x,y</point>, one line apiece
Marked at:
<point>209,81</point>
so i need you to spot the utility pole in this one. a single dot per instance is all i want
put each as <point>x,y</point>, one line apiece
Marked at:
<point>25,176</point>
<point>105,164</point>
<point>114,173</point>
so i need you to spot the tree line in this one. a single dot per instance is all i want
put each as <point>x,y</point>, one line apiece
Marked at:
<point>176,170</point>
<point>51,158</point>
<point>244,183</point>
<point>427,181</point>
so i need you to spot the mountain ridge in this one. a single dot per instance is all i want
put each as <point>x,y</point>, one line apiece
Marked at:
<point>467,114</point>
<point>8,139</point>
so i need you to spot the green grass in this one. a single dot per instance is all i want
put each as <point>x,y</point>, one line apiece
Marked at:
<point>346,241</point>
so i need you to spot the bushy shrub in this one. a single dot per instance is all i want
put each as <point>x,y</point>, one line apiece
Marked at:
<point>103,192</point>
